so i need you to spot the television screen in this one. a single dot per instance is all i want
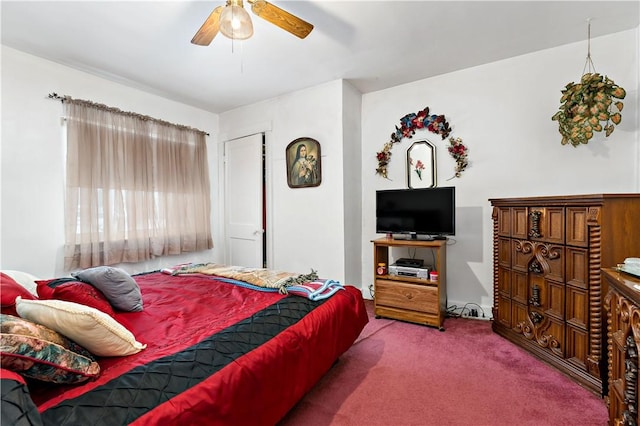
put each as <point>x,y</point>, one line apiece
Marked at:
<point>428,211</point>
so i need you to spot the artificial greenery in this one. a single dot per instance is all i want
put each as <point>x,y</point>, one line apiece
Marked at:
<point>423,120</point>
<point>458,151</point>
<point>584,106</point>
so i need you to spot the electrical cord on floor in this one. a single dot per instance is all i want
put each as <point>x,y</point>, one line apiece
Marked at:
<point>452,311</point>
<point>371,291</point>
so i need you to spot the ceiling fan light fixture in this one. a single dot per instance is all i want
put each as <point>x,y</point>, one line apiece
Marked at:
<point>235,22</point>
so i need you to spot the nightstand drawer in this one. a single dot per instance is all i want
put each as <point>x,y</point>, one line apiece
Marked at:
<point>421,298</point>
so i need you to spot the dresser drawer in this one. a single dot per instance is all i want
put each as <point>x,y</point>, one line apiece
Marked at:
<point>538,223</point>
<point>421,298</point>
<point>577,234</point>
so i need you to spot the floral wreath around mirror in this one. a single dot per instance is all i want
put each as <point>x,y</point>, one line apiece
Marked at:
<point>423,120</point>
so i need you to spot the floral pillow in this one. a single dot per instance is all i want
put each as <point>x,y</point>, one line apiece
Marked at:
<point>40,353</point>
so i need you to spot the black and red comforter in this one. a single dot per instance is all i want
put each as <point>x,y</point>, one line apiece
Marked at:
<point>217,353</point>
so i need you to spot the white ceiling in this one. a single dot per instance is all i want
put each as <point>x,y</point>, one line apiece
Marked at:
<point>372,44</point>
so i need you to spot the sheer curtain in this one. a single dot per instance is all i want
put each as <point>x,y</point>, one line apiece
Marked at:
<point>136,187</point>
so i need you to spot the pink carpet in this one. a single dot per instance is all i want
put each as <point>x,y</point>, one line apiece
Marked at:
<point>406,374</point>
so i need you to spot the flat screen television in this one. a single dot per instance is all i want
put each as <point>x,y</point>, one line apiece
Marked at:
<point>427,213</point>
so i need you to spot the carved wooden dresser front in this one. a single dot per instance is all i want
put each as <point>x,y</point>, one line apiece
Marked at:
<point>548,296</point>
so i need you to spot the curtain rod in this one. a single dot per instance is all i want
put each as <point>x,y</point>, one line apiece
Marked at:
<point>64,98</point>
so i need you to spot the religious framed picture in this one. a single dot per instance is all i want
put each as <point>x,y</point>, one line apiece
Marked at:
<point>303,163</point>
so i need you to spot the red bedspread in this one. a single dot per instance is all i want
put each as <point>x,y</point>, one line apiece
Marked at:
<point>267,350</point>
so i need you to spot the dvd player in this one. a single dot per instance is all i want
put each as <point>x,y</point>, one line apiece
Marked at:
<point>412,263</point>
<point>407,271</point>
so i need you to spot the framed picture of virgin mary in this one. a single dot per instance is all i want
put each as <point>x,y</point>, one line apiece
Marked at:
<point>303,163</point>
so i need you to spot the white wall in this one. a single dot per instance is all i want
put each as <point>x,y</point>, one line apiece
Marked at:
<point>307,224</point>
<point>352,182</point>
<point>32,158</point>
<point>502,111</point>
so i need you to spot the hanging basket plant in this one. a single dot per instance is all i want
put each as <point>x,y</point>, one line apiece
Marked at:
<point>586,106</point>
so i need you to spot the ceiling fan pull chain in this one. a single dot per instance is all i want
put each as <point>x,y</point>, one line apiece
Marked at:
<point>241,58</point>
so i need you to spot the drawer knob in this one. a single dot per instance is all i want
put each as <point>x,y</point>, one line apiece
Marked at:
<point>535,267</point>
<point>534,232</point>
<point>536,317</point>
<point>409,296</point>
<point>535,297</point>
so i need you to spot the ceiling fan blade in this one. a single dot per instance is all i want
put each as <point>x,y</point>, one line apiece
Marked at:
<point>281,18</point>
<point>209,29</point>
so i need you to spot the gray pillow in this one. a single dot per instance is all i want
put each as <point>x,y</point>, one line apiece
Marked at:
<point>119,288</point>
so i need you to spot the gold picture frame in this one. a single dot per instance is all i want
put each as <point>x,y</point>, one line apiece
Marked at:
<point>303,163</point>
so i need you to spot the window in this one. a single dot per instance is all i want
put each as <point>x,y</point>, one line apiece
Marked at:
<point>136,187</point>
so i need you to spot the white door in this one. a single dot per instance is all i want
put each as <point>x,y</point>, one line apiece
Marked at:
<point>244,201</point>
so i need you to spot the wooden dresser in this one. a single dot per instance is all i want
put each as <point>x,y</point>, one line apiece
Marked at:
<point>548,297</point>
<point>623,318</point>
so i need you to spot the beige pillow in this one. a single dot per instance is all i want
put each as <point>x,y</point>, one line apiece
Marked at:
<point>92,329</point>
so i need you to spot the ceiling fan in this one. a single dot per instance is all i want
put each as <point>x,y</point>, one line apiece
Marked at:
<point>233,21</point>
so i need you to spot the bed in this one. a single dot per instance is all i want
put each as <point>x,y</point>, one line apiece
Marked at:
<point>208,350</point>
